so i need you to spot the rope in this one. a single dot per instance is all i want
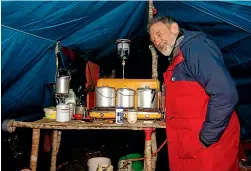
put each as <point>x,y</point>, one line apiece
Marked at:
<point>28,33</point>
<point>153,154</point>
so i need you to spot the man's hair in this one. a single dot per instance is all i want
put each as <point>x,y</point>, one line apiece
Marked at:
<point>157,19</point>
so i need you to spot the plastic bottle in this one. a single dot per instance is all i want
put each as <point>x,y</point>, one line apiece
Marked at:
<point>63,113</point>
<point>119,115</point>
<point>71,101</point>
<point>71,97</point>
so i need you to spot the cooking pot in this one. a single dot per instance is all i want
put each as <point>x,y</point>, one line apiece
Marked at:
<point>147,98</point>
<point>125,97</point>
<point>105,96</point>
<point>62,83</point>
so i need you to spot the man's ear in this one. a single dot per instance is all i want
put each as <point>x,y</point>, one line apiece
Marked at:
<point>175,28</point>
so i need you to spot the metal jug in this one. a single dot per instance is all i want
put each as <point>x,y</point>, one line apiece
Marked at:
<point>63,82</point>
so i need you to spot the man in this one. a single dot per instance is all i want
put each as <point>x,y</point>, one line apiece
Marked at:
<point>202,126</point>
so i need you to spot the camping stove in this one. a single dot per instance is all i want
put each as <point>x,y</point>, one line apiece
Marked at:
<point>142,113</point>
<point>109,113</point>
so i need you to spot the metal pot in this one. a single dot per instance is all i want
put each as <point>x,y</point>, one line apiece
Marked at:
<point>62,83</point>
<point>80,109</point>
<point>105,96</point>
<point>147,98</point>
<point>125,97</point>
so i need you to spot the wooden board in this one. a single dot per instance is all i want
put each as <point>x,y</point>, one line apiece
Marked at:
<point>81,125</point>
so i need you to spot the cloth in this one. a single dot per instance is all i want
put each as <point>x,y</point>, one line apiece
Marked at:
<point>200,105</point>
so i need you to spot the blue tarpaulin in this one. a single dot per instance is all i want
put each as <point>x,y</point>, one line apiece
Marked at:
<point>30,31</point>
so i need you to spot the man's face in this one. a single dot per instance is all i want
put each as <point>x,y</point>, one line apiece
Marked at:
<point>163,36</point>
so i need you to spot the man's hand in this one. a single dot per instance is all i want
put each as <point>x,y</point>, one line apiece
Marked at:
<point>202,141</point>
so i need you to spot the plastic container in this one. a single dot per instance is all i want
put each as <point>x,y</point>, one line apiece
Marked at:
<point>71,101</point>
<point>93,163</point>
<point>63,113</point>
<point>119,119</point>
<point>71,97</point>
<point>136,165</point>
<point>132,116</point>
<point>50,113</point>
<point>105,167</point>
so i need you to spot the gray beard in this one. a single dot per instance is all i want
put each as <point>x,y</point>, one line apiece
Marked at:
<point>169,48</point>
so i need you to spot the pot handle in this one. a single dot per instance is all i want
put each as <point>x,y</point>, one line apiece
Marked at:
<point>62,69</point>
<point>154,94</point>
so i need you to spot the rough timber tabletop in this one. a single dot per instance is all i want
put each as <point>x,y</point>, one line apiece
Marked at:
<point>81,125</point>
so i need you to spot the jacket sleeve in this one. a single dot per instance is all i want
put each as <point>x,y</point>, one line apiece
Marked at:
<point>204,61</point>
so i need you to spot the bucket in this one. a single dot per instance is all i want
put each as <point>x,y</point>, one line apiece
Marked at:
<point>125,165</point>
<point>93,163</point>
<point>105,167</point>
<point>136,165</point>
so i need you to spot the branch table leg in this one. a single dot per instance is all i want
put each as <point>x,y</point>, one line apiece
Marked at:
<point>34,149</point>
<point>154,149</point>
<point>54,151</point>
<point>59,140</point>
<point>148,149</point>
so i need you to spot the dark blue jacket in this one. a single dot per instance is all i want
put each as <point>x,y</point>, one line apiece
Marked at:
<point>204,61</point>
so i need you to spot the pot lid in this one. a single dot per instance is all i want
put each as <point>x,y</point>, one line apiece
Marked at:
<point>125,88</point>
<point>145,88</point>
<point>105,86</point>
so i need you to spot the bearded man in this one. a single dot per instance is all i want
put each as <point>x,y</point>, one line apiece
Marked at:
<point>203,129</point>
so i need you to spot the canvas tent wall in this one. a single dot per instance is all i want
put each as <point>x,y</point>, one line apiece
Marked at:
<point>30,31</point>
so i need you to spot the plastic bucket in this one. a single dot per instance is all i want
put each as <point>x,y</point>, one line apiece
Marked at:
<point>125,165</point>
<point>94,162</point>
<point>136,165</point>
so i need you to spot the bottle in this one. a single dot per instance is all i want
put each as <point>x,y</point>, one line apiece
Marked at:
<point>119,116</point>
<point>71,97</point>
<point>63,113</point>
<point>71,101</point>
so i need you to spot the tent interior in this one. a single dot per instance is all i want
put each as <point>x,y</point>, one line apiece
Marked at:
<point>89,29</point>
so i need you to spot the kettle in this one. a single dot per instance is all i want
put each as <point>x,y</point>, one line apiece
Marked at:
<point>63,82</point>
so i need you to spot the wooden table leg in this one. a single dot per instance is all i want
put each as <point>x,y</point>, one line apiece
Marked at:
<point>59,140</point>
<point>34,149</point>
<point>148,150</point>
<point>54,151</point>
<point>154,149</point>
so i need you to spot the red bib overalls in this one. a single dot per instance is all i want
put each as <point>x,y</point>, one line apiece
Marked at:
<point>186,106</point>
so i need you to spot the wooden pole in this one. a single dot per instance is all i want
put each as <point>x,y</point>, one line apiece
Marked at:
<point>154,76</point>
<point>54,151</point>
<point>56,51</point>
<point>152,49</point>
<point>59,140</point>
<point>154,149</point>
<point>34,149</point>
<point>148,149</point>
<point>148,155</point>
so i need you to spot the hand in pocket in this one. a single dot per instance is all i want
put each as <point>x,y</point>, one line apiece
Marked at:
<point>189,144</point>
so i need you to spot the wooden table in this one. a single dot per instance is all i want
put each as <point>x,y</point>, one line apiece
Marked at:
<point>57,127</point>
